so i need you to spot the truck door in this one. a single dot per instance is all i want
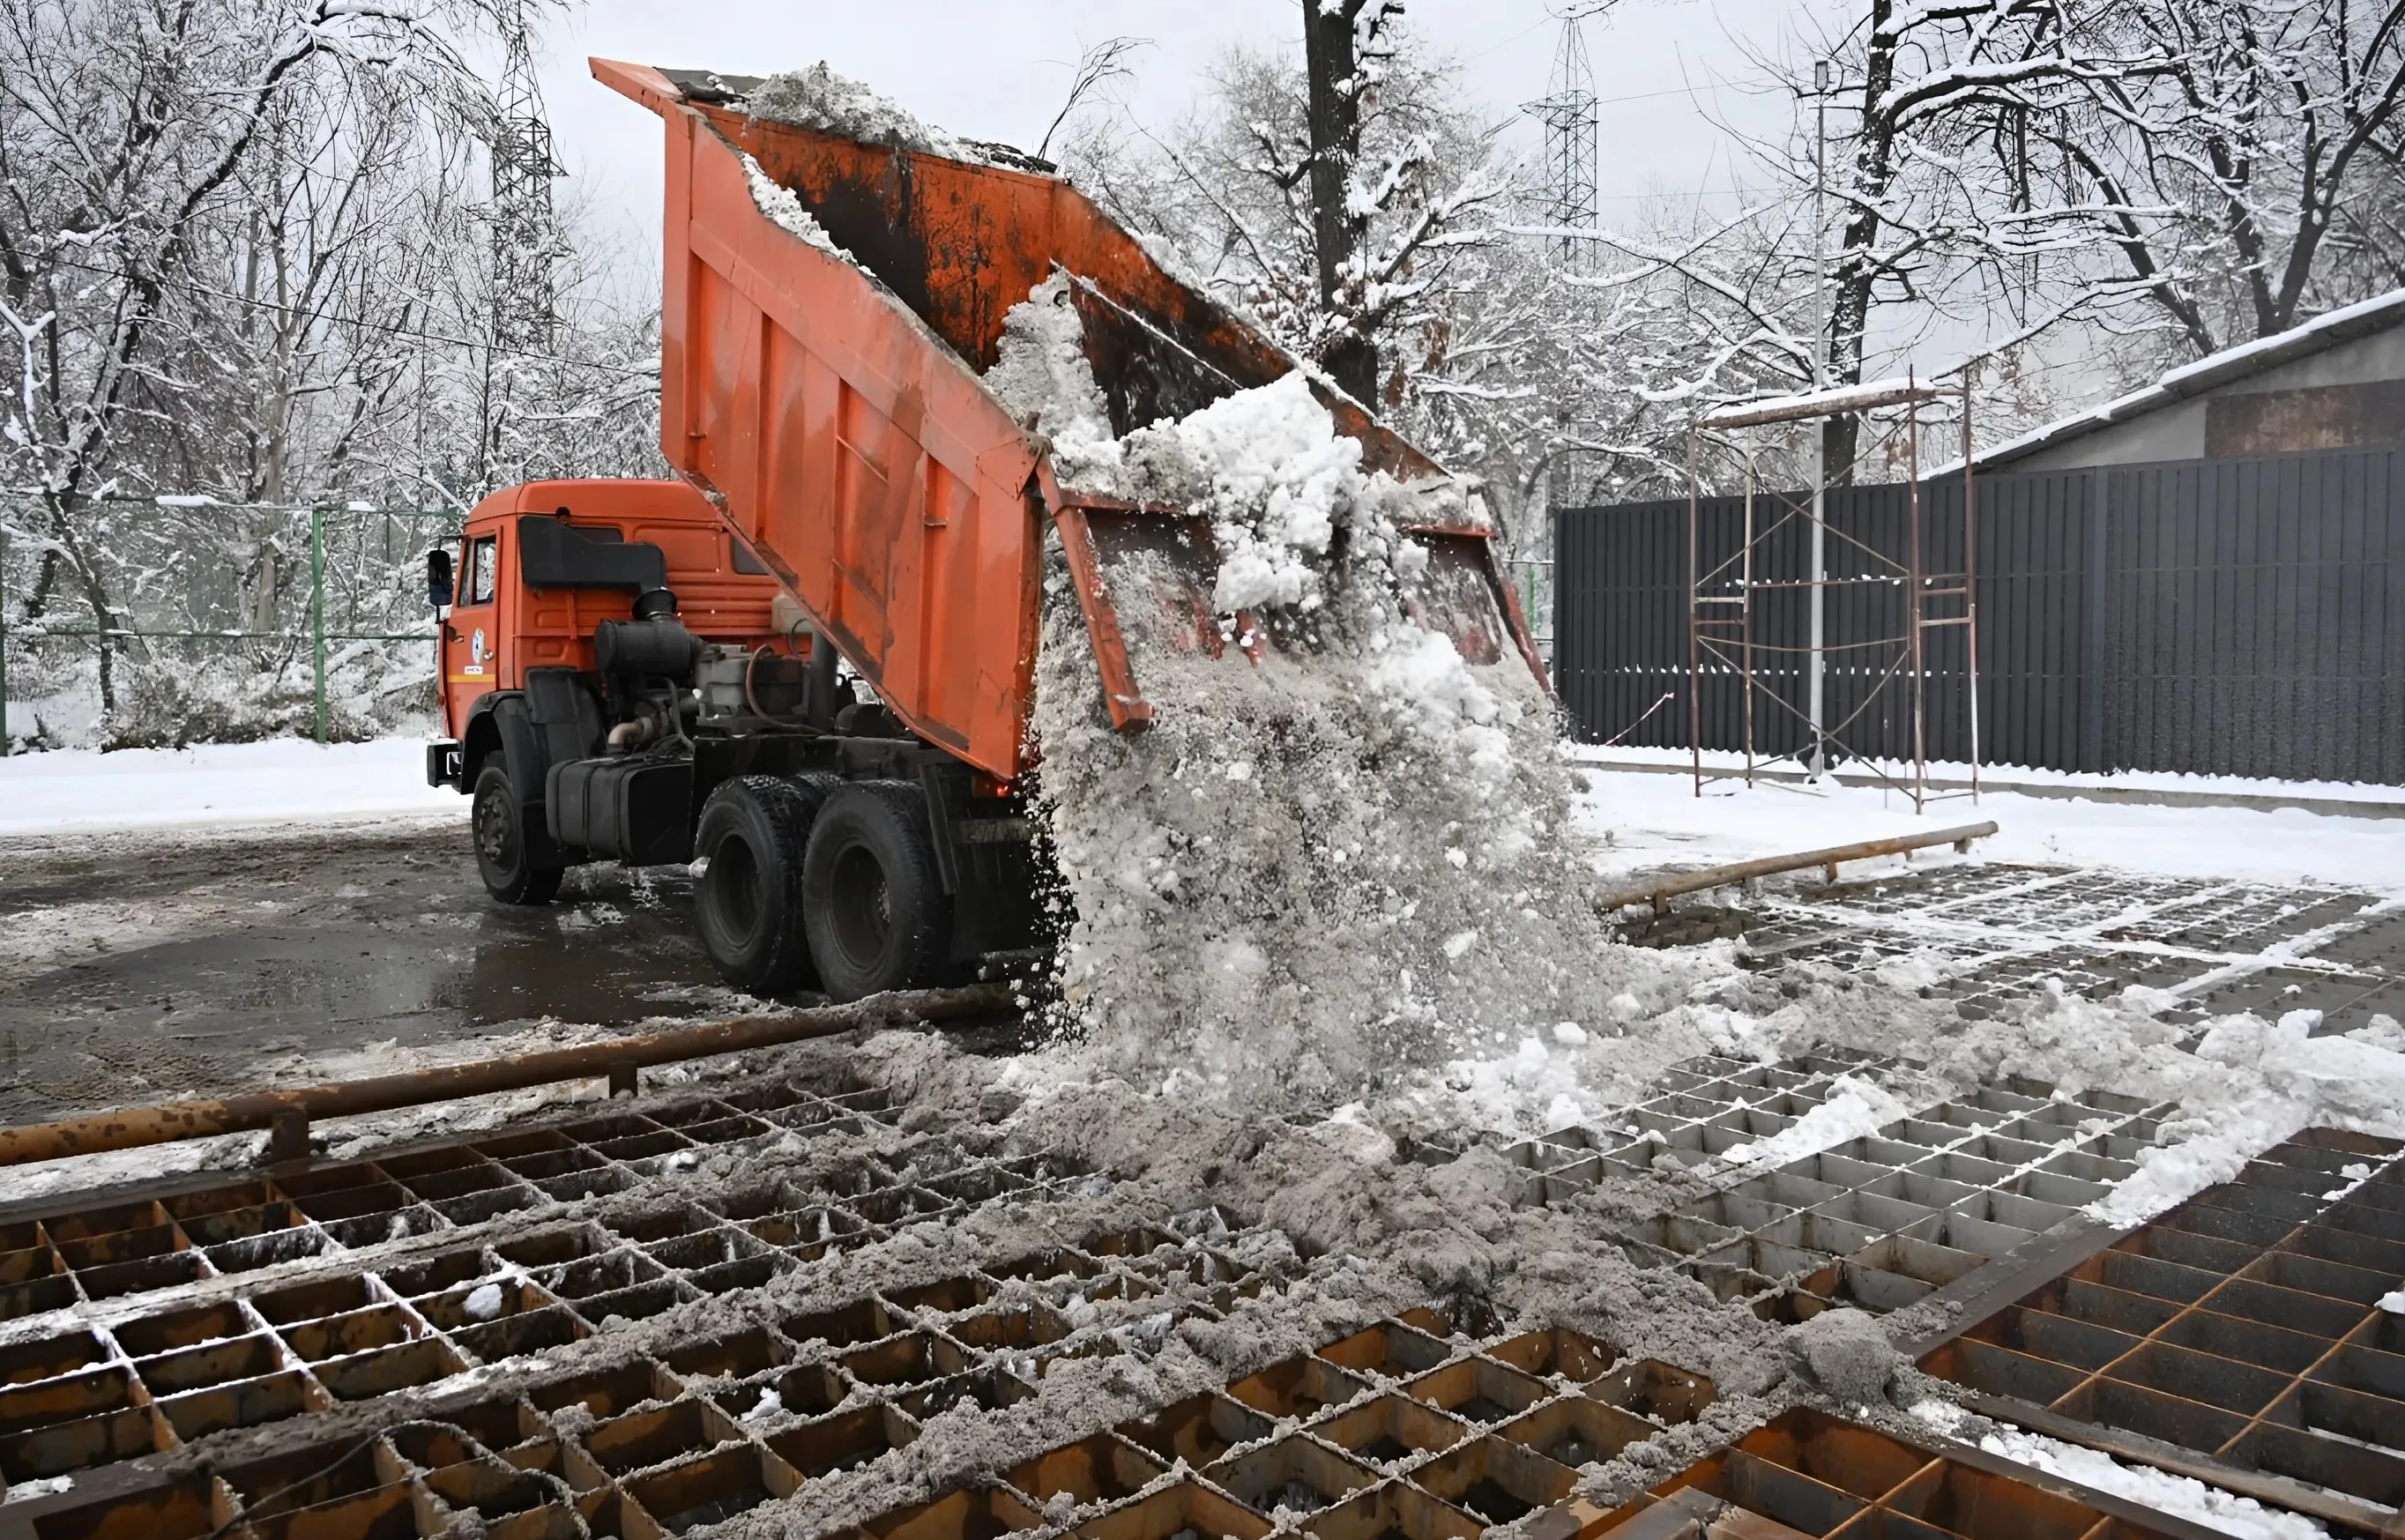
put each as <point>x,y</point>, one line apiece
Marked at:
<point>472,637</point>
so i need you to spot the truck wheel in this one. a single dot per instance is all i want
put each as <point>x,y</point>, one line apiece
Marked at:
<point>754,831</point>
<point>498,824</point>
<point>878,916</point>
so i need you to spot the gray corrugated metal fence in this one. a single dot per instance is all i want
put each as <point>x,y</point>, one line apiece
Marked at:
<point>2234,617</point>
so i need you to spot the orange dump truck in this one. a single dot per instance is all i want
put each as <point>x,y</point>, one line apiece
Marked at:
<point>650,672</point>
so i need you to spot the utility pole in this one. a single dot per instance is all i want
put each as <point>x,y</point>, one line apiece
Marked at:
<point>1815,702</point>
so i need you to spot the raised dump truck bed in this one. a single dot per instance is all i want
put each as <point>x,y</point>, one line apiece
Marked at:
<point>829,305</point>
<point>841,423</point>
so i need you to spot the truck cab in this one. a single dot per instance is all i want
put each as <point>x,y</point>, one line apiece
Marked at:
<point>623,679</point>
<point>539,566</point>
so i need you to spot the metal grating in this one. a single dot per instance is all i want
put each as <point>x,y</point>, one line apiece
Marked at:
<point>361,1348</point>
<point>154,1347</point>
<point>1877,1222</point>
<point>1997,934</point>
<point>1393,1428</point>
<point>2244,1325</point>
<point>89,1256</point>
<point>1806,1474</point>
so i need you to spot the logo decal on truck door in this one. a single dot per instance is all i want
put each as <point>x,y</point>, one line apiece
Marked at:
<point>476,652</point>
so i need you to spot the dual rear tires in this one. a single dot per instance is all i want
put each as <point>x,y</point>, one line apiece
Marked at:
<point>814,880</point>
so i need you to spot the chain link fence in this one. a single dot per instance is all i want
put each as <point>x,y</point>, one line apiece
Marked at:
<point>173,620</point>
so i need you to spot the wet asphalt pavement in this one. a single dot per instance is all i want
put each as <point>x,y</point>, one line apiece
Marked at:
<point>142,967</point>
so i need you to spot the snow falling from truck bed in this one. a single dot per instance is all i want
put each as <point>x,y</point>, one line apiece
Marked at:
<point>1346,869</point>
<point>1318,870</point>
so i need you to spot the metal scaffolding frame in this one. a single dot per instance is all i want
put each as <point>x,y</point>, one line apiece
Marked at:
<point>1720,624</point>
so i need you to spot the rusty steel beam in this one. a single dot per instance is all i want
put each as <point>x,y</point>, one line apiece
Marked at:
<point>287,1112</point>
<point>1659,891</point>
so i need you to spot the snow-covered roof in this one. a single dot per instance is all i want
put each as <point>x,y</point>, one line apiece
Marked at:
<point>2377,313</point>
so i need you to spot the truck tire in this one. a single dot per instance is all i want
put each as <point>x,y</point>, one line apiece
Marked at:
<point>498,825</point>
<point>754,831</point>
<point>878,916</point>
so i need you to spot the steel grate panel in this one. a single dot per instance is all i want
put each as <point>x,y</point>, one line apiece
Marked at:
<point>1877,1222</point>
<point>1368,1434</point>
<point>164,1340</point>
<point>1402,1429</point>
<point>1814,1474</point>
<point>2246,1325</point>
<point>1996,934</point>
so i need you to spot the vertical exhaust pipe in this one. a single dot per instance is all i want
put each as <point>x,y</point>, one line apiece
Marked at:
<point>818,686</point>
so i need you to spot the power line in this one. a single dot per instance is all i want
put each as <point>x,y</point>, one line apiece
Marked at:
<point>388,329</point>
<point>1648,95</point>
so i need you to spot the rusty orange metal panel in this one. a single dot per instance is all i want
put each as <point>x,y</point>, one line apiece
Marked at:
<point>960,242</point>
<point>853,448</point>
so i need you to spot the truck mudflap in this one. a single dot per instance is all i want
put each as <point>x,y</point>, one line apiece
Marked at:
<point>1151,571</point>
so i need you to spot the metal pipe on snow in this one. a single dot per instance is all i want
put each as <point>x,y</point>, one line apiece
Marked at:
<point>1671,886</point>
<point>287,1112</point>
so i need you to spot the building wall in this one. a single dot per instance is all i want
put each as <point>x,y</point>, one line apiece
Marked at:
<point>2347,396</point>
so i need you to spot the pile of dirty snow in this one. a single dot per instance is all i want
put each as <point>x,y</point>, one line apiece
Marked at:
<point>819,98</point>
<point>1042,380</point>
<point>1325,867</point>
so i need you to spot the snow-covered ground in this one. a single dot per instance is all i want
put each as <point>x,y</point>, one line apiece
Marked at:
<point>1641,818</point>
<point>1635,819</point>
<point>281,781</point>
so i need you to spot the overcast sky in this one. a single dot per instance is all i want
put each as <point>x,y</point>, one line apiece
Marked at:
<point>997,69</point>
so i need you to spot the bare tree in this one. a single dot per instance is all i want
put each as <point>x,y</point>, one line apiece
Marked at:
<point>1343,44</point>
<point>1333,272</point>
<point>2245,158</point>
<point>133,134</point>
<point>245,263</point>
<point>2199,174</point>
<point>1097,66</point>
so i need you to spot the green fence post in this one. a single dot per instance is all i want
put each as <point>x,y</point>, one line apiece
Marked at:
<point>318,608</point>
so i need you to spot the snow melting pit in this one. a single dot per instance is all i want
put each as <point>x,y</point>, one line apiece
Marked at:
<point>1820,1196</point>
<point>1991,937</point>
<point>1815,1474</point>
<point>1360,1443</point>
<point>2247,1325</point>
<point>559,1326</point>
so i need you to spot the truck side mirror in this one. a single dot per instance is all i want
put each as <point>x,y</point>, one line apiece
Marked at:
<point>438,578</point>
